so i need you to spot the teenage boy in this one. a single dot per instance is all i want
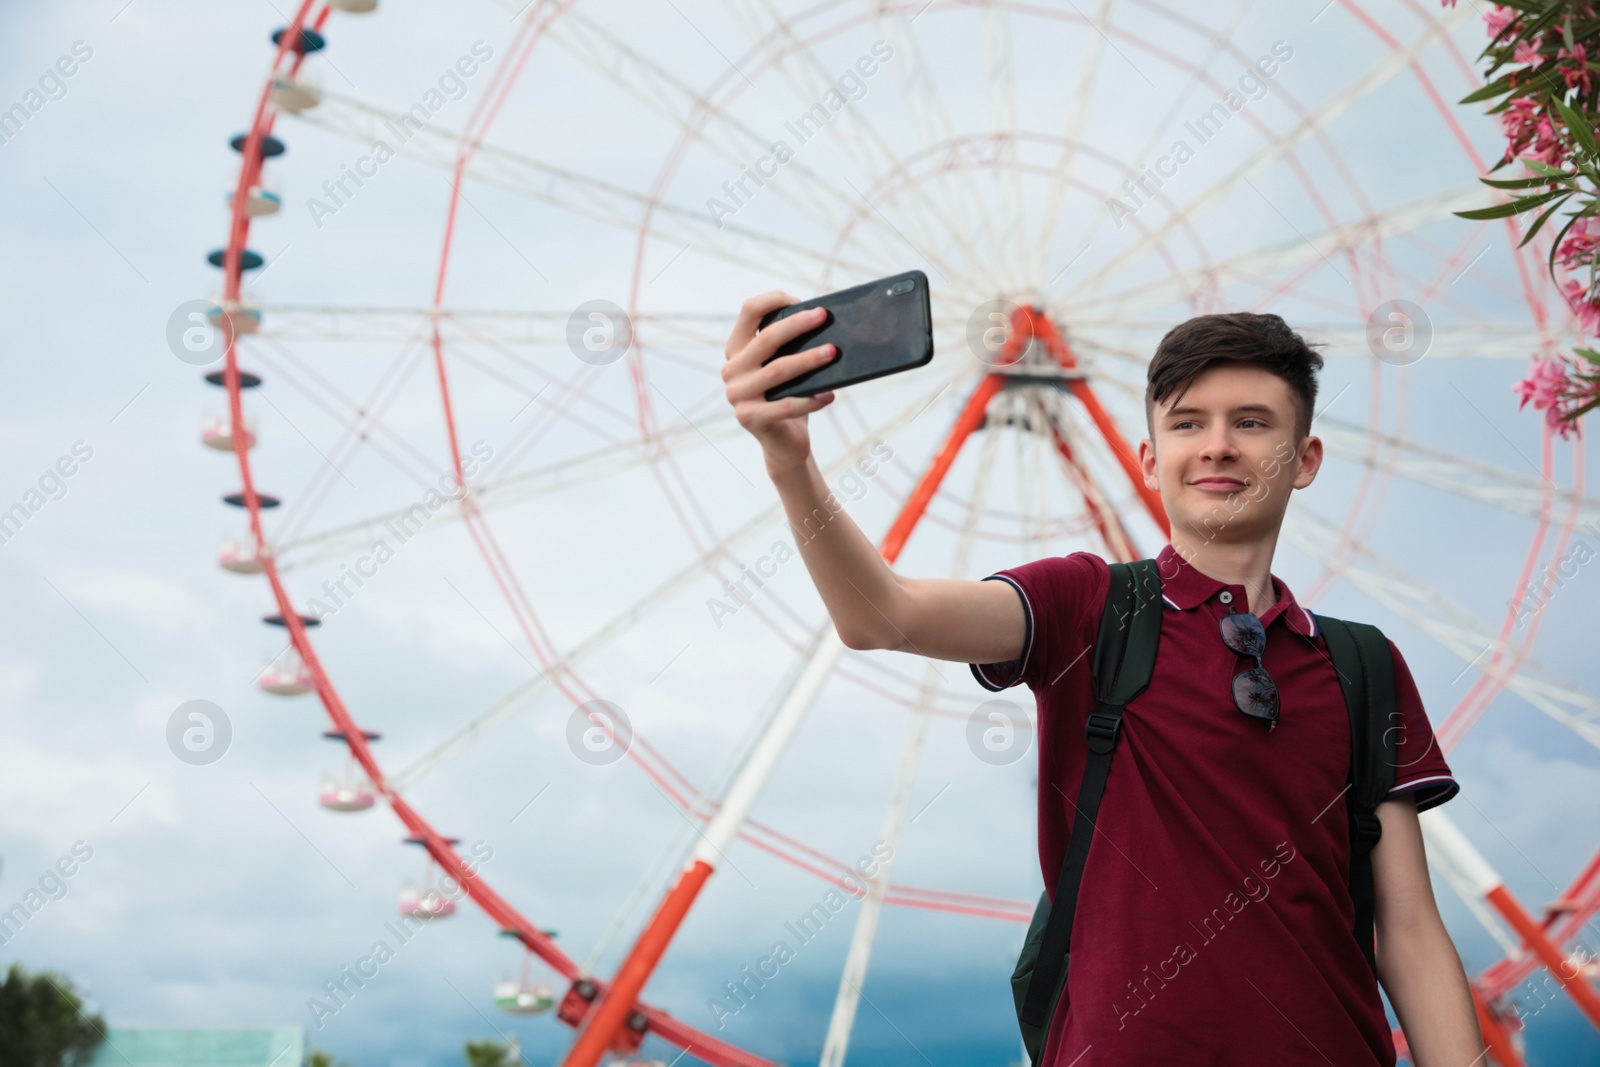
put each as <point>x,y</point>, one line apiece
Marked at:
<point>1214,921</point>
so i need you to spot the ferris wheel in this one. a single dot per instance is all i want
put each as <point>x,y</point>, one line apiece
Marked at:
<point>1061,241</point>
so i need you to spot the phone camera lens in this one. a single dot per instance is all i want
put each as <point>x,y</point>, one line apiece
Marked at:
<point>901,287</point>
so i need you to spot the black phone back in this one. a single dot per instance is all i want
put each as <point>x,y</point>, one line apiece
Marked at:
<point>879,328</point>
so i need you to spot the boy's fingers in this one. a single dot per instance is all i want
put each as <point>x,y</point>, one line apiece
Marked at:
<point>750,315</point>
<point>760,350</point>
<point>790,407</point>
<point>758,378</point>
<point>800,405</point>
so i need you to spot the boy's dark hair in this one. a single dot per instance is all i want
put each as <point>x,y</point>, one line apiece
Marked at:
<point>1264,340</point>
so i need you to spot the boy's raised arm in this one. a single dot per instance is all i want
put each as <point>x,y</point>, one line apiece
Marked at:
<point>871,606</point>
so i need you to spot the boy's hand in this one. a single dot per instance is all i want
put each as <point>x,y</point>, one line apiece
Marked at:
<point>780,425</point>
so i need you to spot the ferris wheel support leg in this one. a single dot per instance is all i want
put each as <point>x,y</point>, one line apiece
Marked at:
<point>1113,533</point>
<point>1442,834</point>
<point>617,1002</point>
<point>843,1019</point>
<point>1045,331</point>
<point>1495,1034</point>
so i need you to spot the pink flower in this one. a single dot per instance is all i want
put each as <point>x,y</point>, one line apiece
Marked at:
<point>1547,386</point>
<point>1543,384</point>
<point>1527,52</point>
<point>1586,310</point>
<point>1562,426</point>
<point>1548,150</point>
<point>1580,242</point>
<point>1518,123</point>
<point>1524,130</point>
<point>1498,19</point>
<point>1578,73</point>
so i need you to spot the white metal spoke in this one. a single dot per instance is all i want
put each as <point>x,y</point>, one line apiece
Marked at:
<point>1077,116</point>
<point>860,953</point>
<point>582,194</point>
<point>870,151</point>
<point>506,490</point>
<point>1280,147</point>
<point>1452,626</point>
<point>1268,261</point>
<point>545,328</point>
<point>1507,490</point>
<point>1008,238</point>
<point>732,140</point>
<point>1447,863</point>
<point>921,93</point>
<point>1080,110</point>
<point>519,697</point>
<point>1482,341</point>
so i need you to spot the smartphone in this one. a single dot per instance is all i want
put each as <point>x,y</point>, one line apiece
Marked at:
<point>879,328</point>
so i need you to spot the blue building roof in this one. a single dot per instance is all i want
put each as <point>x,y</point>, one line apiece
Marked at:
<point>280,1046</point>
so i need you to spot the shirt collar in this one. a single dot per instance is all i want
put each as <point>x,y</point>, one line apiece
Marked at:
<point>1183,586</point>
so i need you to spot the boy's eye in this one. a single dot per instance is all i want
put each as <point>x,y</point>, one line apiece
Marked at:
<point>1257,421</point>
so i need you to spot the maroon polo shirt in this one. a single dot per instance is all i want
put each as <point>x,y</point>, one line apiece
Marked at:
<point>1214,919</point>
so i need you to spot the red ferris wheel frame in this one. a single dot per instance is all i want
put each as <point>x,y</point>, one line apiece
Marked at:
<point>617,1006</point>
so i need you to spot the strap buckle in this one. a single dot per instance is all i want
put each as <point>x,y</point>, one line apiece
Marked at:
<point>1365,828</point>
<point>1102,729</point>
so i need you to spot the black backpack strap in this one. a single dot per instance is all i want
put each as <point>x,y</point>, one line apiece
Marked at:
<point>1125,654</point>
<point>1360,654</point>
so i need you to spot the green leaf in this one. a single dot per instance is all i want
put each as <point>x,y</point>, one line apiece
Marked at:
<point>1589,354</point>
<point>1556,244</point>
<point>1538,223</point>
<point>1537,27</point>
<point>1495,88</point>
<point>1573,417</point>
<point>1515,183</point>
<point>1499,211</point>
<point>1542,167</point>
<point>1578,126</point>
<point>1516,207</point>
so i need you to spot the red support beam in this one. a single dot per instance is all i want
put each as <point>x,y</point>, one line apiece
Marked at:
<point>1572,978</point>
<point>1105,518</point>
<point>1042,328</point>
<point>969,421</point>
<point>603,1029</point>
<point>1496,1035</point>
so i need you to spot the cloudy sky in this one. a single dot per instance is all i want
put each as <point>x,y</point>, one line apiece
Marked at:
<point>222,895</point>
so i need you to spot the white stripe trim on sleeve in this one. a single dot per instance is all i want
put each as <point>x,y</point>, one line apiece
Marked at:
<point>1416,782</point>
<point>1022,662</point>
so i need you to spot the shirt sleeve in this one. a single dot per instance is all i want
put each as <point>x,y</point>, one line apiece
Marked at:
<point>1420,767</point>
<point>1062,597</point>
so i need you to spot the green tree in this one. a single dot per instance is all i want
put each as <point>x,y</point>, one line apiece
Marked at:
<point>42,1023</point>
<point>490,1054</point>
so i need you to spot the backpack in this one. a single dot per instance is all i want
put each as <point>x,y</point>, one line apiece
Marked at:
<point>1124,657</point>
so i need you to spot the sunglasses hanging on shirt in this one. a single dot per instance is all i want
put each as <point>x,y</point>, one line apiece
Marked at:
<point>1254,691</point>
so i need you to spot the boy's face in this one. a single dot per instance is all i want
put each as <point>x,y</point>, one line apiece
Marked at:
<point>1224,457</point>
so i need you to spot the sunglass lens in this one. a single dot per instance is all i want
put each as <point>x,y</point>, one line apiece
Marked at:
<point>1256,693</point>
<point>1244,634</point>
